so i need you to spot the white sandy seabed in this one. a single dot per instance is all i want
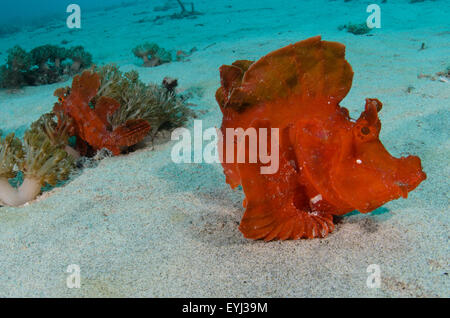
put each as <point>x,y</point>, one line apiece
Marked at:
<point>141,225</point>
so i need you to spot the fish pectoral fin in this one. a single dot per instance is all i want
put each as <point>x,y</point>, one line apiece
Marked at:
<point>277,205</point>
<point>105,107</point>
<point>131,132</point>
<point>271,226</point>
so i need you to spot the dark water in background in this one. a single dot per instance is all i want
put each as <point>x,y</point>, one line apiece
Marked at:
<point>23,12</point>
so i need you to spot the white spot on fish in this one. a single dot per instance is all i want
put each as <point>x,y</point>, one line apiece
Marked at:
<point>316,199</point>
<point>358,161</point>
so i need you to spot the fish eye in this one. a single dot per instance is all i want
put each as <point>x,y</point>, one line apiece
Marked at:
<point>365,130</point>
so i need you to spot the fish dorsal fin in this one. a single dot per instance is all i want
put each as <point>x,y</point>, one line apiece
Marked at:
<point>230,79</point>
<point>85,87</point>
<point>312,68</point>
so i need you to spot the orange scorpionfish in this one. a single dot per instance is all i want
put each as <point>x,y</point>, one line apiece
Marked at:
<point>91,125</point>
<point>329,164</point>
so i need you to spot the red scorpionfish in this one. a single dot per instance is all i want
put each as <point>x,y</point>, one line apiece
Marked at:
<point>329,164</point>
<point>91,125</point>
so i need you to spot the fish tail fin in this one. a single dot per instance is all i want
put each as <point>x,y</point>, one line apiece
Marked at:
<point>131,132</point>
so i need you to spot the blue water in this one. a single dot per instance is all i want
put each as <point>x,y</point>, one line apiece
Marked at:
<point>22,11</point>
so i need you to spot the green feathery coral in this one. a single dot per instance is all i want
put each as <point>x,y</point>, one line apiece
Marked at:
<point>356,28</point>
<point>44,64</point>
<point>43,160</point>
<point>19,59</point>
<point>48,53</point>
<point>11,153</point>
<point>57,134</point>
<point>160,107</point>
<point>80,57</point>
<point>152,54</point>
<point>14,73</point>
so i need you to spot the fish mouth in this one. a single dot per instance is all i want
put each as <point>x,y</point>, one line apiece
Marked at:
<point>403,187</point>
<point>410,175</point>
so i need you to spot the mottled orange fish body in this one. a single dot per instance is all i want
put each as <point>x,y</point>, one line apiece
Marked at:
<point>91,124</point>
<point>329,164</point>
